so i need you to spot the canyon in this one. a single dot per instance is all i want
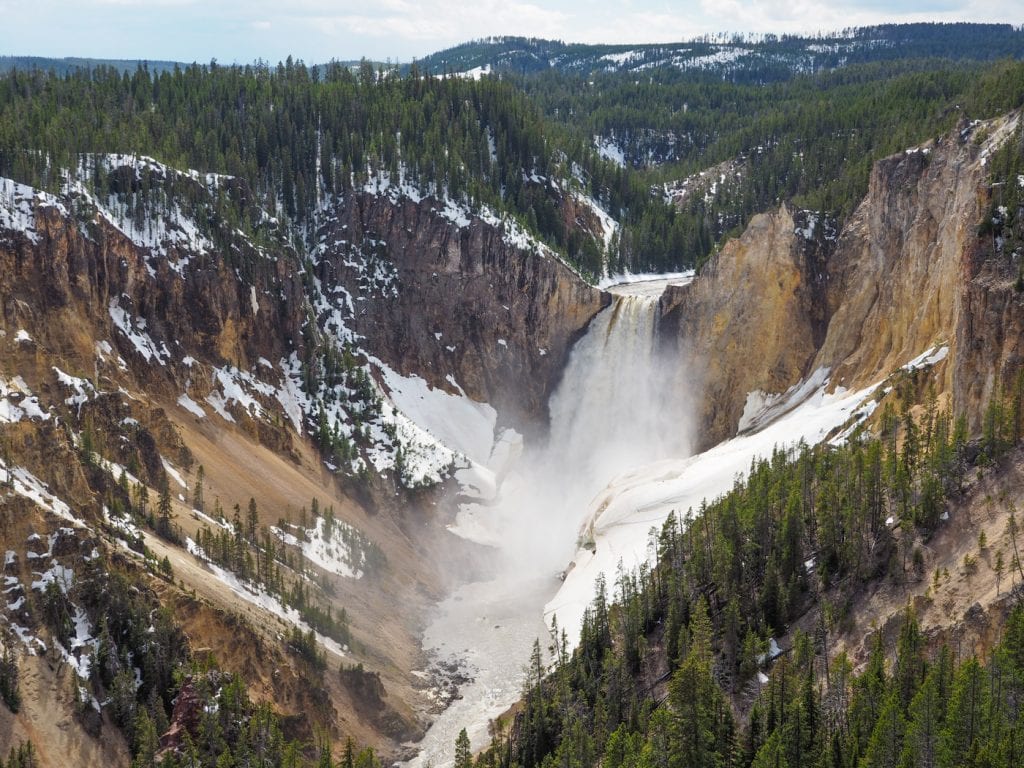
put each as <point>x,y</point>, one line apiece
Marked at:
<point>519,430</point>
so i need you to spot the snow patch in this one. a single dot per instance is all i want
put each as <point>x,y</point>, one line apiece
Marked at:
<point>628,278</point>
<point>328,549</point>
<point>621,58</point>
<point>261,598</point>
<point>290,394</point>
<point>608,225</point>
<point>458,422</point>
<point>476,72</point>
<point>928,358</point>
<point>807,231</point>
<point>18,402</point>
<point>174,473</point>
<point>191,406</point>
<point>609,150</point>
<point>237,386</point>
<point>18,204</point>
<point>28,486</point>
<point>80,387</point>
<point>134,330</point>
<point>761,408</point>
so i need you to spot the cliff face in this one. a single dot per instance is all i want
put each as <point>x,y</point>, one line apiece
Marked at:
<point>753,320</point>
<point>430,290</point>
<point>101,308</point>
<point>895,276</point>
<point>72,283</point>
<point>458,298</point>
<point>989,339</point>
<point>906,273</point>
<point>162,340</point>
<point>910,272</point>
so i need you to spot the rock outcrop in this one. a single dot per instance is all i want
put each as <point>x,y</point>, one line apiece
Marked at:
<point>458,299</point>
<point>754,319</point>
<point>907,272</point>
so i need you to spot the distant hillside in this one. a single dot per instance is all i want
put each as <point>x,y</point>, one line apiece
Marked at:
<point>71,63</point>
<point>68,64</point>
<point>739,58</point>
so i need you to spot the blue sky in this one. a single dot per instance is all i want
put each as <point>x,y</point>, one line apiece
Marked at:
<point>319,30</point>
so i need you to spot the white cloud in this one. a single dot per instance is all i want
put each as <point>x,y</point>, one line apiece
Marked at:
<point>636,27</point>
<point>317,30</point>
<point>810,16</point>
<point>444,21</point>
<point>143,3</point>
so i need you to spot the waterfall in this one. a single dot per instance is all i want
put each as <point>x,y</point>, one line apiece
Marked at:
<point>617,407</point>
<point>614,408</point>
<point>617,460</point>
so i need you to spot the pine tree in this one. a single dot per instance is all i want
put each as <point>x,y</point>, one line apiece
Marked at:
<point>886,743</point>
<point>197,492</point>
<point>463,754</point>
<point>252,520</point>
<point>966,717</point>
<point>146,741</point>
<point>910,662</point>
<point>698,710</point>
<point>771,754</point>
<point>164,510</point>
<point>921,743</point>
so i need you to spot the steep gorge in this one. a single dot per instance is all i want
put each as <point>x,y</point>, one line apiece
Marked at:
<point>162,351</point>
<point>464,303</point>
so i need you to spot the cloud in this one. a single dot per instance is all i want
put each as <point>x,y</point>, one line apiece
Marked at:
<point>444,21</point>
<point>142,3</point>
<point>809,16</point>
<point>635,27</point>
<point>317,30</point>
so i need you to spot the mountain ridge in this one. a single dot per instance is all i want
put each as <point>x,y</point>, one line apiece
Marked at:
<point>764,57</point>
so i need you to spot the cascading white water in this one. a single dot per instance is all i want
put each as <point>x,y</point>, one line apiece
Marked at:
<point>615,409</point>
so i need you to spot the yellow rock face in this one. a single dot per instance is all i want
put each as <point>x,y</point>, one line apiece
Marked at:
<point>904,275</point>
<point>749,319</point>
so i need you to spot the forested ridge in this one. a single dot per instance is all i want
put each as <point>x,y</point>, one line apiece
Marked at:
<point>810,140</point>
<point>763,57</point>
<point>788,548</point>
<point>299,136</point>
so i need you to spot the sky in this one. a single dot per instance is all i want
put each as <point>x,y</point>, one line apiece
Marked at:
<point>242,31</point>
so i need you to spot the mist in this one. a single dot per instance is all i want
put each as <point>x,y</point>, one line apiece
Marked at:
<point>619,406</point>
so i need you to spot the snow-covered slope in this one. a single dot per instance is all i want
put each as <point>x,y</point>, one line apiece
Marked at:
<point>618,522</point>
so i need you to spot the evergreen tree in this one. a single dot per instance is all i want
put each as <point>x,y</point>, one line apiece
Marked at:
<point>197,491</point>
<point>164,511</point>
<point>921,743</point>
<point>698,708</point>
<point>463,754</point>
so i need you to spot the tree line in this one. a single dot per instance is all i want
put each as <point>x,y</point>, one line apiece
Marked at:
<point>669,670</point>
<point>297,136</point>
